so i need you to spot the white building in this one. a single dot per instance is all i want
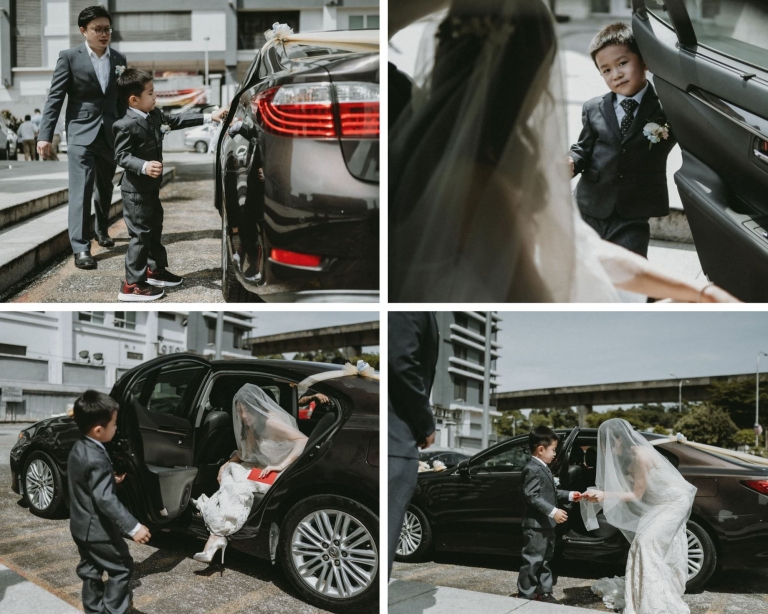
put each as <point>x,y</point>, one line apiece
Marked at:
<point>47,358</point>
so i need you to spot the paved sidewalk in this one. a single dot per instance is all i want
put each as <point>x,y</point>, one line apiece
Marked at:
<point>20,596</point>
<point>420,597</point>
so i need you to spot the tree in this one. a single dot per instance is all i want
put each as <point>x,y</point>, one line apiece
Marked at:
<point>738,399</point>
<point>556,418</point>
<point>708,424</point>
<point>594,420</point>
<point>744,437</point>
<point>515,417</point>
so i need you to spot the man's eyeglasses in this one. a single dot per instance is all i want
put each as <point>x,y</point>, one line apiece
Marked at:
<point>101,30</point>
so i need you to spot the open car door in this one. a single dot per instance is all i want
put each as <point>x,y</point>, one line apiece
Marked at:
<point>709,59</point>
<point>155,433</point>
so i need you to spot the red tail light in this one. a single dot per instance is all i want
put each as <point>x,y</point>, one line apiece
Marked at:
<point>309,110</point>
<point>283,256</point>
<point>760,486</point>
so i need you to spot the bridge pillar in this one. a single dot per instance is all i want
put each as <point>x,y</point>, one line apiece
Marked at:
<point>351,351</point>
<point>583,411</point>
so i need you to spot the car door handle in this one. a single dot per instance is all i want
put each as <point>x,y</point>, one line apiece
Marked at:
<point>760,156</point>
<point>741,117</point>
<point>170,431</point>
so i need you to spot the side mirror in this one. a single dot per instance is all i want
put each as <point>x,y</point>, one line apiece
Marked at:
<point>463,467</point>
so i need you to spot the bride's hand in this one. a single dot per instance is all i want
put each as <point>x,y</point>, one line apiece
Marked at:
<point>595,496</point>
<point>269,469</point>
<point>222,471</point>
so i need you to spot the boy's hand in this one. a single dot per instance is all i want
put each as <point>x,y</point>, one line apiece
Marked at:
<point>560,516</point>
<point>142,536</point>
<point>119,478</point>
<point>154,169</point>
<point>572,165</point>
<point>220,114</point>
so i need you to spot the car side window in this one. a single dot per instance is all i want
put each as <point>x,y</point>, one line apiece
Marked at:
<point>174,388</point>
<point>504,461</point>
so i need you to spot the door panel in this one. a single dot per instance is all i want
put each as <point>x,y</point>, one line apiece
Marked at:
<point>716,105</point>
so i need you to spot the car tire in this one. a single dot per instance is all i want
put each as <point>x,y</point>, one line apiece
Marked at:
<point>419,543</point>
<point>5,154</point>
<point>300,545</point>
<point>201,147</point>
<point>43,490</point>
<point>702,554</point>
<point>231,288</point>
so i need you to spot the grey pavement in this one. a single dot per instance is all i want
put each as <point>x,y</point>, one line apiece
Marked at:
<point>419,597</point>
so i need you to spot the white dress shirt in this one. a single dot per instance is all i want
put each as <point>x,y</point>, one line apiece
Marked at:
<point>570,494</point>
<point>101,445</point>
<point>620,113</point>
<point>101,66</point>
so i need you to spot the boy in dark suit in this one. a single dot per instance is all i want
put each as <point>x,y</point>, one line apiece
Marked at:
<point>541,516</point>
<point>623,146</point>
<point>139,150</point>
<point>97,518</point>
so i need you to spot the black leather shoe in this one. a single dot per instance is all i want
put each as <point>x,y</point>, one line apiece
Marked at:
<point>84,260</point>
<point>105,241</point>
<point>548,598</point>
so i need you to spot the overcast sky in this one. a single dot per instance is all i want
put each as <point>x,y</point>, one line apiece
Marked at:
<point>274,322</point>
<point>548,349</point>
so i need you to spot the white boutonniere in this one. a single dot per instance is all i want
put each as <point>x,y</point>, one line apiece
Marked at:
<point>164,129</point>
<point>655,133</point>
<point>119,69</point>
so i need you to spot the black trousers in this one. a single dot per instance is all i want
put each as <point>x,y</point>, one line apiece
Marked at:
<point>632,234</point>
<point>143,214</point>
<point>403,473</point>
<point>535,577</point>
<point>114,595</point>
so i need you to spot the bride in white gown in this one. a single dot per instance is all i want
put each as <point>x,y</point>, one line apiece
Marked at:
<point>480,207</point>
<point>269,441</point>
<point>643,495</point>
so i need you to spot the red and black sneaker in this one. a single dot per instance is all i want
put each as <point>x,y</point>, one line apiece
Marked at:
<point>139,292</point>
<point>163,278</point>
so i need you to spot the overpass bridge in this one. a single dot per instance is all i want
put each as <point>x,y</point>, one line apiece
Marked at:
<point>584,398</point>
<point>351,337</point>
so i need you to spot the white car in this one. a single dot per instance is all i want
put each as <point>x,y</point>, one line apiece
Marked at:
<point>199,137</point>
<point>8,142</point>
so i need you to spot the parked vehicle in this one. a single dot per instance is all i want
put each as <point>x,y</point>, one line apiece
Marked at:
<point>175,431</point>
<point>9,141</point>
<point>478,506</point>
<point>199,137</point>
<point>297,176</point>
<point>711,74</point>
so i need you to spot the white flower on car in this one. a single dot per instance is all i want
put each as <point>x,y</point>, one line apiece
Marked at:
<point>655,133</point>
<point>438,465</point>
<point>119,69</point>
<point>279,31</point>
<point>424,466</point>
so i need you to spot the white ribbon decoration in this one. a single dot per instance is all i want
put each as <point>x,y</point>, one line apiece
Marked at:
<point>732,454</point>
<point>349,40</point>
<point>363,369</point>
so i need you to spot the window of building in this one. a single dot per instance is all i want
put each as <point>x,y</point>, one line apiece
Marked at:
<point>211,324</point>
<point>15,350</point>
<point>28,34</point>
<point>125,319</point>
<point>251,26</point>
<point>135,356</point>
<point>459,388</point>
<point>166,316</point>
<point>137,27</point>
<point>241,338</point>
<point>461,320</point>
<point>361,22</point>
<point>94,317</point>
<point>460,351</point>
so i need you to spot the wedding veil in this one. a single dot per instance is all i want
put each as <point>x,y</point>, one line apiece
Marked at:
<point>625,457</point>
<point>480,202</point>
<point>265,433</point>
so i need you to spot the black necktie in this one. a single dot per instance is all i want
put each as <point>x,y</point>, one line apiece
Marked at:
<point>629,105</point>
<point>154,132</point>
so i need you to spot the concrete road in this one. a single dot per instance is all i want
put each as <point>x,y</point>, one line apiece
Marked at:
<point>166,579</point>
<point>731,592</point>
<point>191,234</point>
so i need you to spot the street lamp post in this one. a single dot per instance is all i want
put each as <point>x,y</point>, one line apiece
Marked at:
<point>206,39</point>
<point>680,393</point>
<point>757,399</point>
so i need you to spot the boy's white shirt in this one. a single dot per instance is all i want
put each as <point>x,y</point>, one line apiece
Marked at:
<point>135,529</point>
<point>140,113</point>
<point>570,494</point>
<point>638,98</point>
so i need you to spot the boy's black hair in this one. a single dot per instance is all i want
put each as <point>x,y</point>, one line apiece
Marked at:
<point>93,408</point>
<point>131,83</point>
<point>88,14</point>
<point>614,34</point>
<point>27,118</point>
<point>541,436</point>
<point>37,110</point>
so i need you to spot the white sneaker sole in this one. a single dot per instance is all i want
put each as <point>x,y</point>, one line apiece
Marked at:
<point>138,298</point>
<point>163,284</point>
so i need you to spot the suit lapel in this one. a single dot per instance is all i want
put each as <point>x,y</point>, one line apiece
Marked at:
<point>88,66</point>
<point>609,113</point>
<point>647,105</point>
<point>143,123</point>
<point>112,80</point>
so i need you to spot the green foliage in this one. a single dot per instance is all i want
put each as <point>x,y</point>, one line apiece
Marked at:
<point>557,418</point>
<point>504,426</point>
<point>738,399</point>
<point>708,424</point>
<point>744,437</point>
<point>642,417</point>
<point>273,357</point>
<point>11,120</point>
<point>660,430</point>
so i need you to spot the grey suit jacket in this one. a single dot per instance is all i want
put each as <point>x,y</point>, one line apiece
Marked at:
<point>96,514</point>
<point>621,174</point>
<point>87,106</point>
<point>541,495</point>
<point>136,143</point>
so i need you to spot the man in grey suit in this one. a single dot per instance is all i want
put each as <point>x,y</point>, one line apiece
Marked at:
<point>413,349</point>
<point>534,581</point>
<point>97,518</point>
<point>87,75</point>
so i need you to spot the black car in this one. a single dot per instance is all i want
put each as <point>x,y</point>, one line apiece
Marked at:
<point>297,178</point>
<point>711,75</point>
<point>448,457</point>
<point>478,507</point>
<point>174,432</point>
